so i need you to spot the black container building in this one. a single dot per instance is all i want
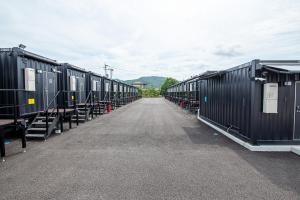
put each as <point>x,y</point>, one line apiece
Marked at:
<point>27,80</point>
<point>73,85</point>
<point>185,93</point>
<point>257,102</point>
<point>121,93</point>
<point>106,95</point>
<point>126,94</point>
<point>114,93</point>
<point>192,93</point>
<point>95,84</point>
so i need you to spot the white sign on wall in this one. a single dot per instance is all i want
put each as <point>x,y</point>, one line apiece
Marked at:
<point>72,83</point>
<point>106,87</point>
<point>29,79</point>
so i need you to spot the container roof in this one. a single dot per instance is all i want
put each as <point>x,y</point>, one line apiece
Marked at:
<point>95,74</point>
<point>209,74</point>
<point>291,68</point>
<point>22,52</point>
<point>68,65</point>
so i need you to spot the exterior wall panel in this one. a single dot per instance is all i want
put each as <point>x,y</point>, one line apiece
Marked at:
<point>12,65</point>
<point>224,100</point>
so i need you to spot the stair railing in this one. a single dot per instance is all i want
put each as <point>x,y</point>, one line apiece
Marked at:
<point>47,112</point>
<point>14,105</point>
<point>106,99</point>
<point>88,99</point>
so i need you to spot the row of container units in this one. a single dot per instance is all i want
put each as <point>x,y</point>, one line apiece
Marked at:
<point>34,88</point>
<point>185,93</point>
<point>257,102</point>
<point>122,93</point>
<point>35,80</point>
<point>82,84</point>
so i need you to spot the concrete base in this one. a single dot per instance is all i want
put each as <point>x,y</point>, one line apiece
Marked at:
<point>296,150</point>
<point>271,148</point>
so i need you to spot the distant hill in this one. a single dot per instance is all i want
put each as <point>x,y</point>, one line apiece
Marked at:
<point>151,81</point>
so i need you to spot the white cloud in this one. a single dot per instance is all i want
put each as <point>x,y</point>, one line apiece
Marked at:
<point>177,38</point>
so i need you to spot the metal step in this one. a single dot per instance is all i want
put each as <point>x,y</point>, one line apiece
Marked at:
<point>98,112</point>
<point>42,117</point>
<point>84,108</point>
<point>82,112</point>
<point>35,135</point>
<point>36,129</point>
<point>78,116</point>
<point>41,123</point>
<point>79,119</point>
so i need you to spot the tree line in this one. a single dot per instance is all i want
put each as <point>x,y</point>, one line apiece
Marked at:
<point>156,92</point>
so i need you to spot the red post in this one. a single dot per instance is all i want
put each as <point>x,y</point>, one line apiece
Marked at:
<point>108,107</point>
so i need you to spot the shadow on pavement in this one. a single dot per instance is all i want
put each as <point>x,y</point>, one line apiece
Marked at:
<point>281,168</point>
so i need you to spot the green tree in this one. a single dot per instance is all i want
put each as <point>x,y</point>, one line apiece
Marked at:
<point>140,92</point>
<point>168,82</point>
<point>151,92</point>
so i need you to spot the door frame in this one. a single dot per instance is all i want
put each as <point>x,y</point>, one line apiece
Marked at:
<point>46,88</point>
<point>295,100</point>
<point>54,79</point>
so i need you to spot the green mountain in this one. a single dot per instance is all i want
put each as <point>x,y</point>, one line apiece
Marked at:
<point>151,81</point>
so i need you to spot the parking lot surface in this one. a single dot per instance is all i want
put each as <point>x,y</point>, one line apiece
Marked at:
<point>150,149</point>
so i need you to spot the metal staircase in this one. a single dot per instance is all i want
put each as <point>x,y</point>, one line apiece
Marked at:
<point>99,108</point>
<point>84,111</point>
<point>82,114</point>
<point>45,123</point>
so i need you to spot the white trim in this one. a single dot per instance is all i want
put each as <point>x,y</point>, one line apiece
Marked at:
<point>275,148</point>
<point>295,99</point>
<point>296,150</point>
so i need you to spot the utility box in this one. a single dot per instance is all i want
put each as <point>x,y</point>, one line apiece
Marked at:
<point>191,87</point>
<point>106,87</point>
<point>29,77</point>
<point>270,98</point>
<point>94,85</point>
<point>72,83</point>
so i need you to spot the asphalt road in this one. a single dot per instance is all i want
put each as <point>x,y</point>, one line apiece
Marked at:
<point>150,149</point>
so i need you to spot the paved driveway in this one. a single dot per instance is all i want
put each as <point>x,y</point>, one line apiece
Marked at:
<point>150,149</point>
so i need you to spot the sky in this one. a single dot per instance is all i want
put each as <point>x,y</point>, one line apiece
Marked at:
<point>171,38</point>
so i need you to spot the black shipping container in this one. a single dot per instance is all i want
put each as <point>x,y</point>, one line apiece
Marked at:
<point>106,95</point>
<point>95,82</point>
<point>73,84</point>
<point>33,76</point>
<point>258,102</point>
<point>121,91</point>
<point>192,89</point>
<point>114,90</point>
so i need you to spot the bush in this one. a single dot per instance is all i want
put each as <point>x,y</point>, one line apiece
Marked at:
<point>150,92</point>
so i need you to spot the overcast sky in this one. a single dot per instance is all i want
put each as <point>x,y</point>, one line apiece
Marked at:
<point>154,37</point>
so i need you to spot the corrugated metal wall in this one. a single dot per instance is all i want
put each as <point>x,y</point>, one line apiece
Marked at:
<point>90,79</point>
<point>113,92</point>
<point>8,70</point>
<point>106,94</point>
<point>43,70</point>
<point>225,100</point>
<point>275,126</point>
<point>12,77</point>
